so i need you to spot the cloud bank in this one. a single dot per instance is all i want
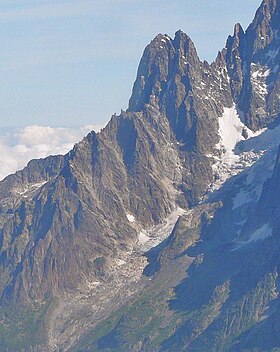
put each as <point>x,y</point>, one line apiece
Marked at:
<point>33,142</point>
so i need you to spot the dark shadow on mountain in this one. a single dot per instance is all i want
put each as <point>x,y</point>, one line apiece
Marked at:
<point>127,138</point>
<point>220,261</point>
<point>264,336</point>
<point>153,257</point>
<point>109,341</point>
<point>243,268</point>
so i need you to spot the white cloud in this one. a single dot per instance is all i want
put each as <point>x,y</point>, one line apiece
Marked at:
<point>32,142</point>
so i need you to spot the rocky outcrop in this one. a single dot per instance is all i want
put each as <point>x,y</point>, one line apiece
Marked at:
<point>252,62</point>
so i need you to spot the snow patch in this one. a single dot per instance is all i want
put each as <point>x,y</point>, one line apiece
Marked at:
<point>243,197</point>
<point>121,262</point>
<point>228,163</point>
<point>265,148</point>
<point>150,238</point>
<point>29,188</point>
<point>259,235</point>
<point>130,217</point>
<point>143,237</point>
<point>92,285</point>
<point>230,130</point>
<point>259,75</point>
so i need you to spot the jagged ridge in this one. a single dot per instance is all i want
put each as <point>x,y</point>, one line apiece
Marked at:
<point>65,226</point>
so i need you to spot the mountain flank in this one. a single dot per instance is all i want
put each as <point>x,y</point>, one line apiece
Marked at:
<point>161,232</point>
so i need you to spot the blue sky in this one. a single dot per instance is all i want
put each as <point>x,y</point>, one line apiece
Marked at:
<point>73,62</point>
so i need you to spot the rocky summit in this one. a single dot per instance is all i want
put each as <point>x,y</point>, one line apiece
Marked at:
<point>161,232</point>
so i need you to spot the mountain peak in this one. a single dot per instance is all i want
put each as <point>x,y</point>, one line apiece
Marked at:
<point>180,35</point>
<point>238,35</point>
<point>238,29</point>
<point>269,6</point>
<point>75,231</point>
<point>268,12</point>
<point>158,40</point>
<point>265,26</point>
<point>162,59</point>
<point>184,43</point>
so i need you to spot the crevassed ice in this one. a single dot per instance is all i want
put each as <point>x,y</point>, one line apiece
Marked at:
<point>231,131</point>
<point>150,238</point>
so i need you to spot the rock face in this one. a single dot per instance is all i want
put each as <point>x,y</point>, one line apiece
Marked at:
<point>74,228</point>
<point>252,61</point>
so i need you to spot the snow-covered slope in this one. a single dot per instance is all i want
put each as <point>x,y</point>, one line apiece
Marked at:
<point>231,159</point>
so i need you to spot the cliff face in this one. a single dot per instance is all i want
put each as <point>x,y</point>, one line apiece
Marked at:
<point>73,228</point>
<point>252,62</point>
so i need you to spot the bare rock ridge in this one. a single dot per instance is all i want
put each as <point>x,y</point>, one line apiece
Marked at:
<point>252,58</point>
<point>198,140</point>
